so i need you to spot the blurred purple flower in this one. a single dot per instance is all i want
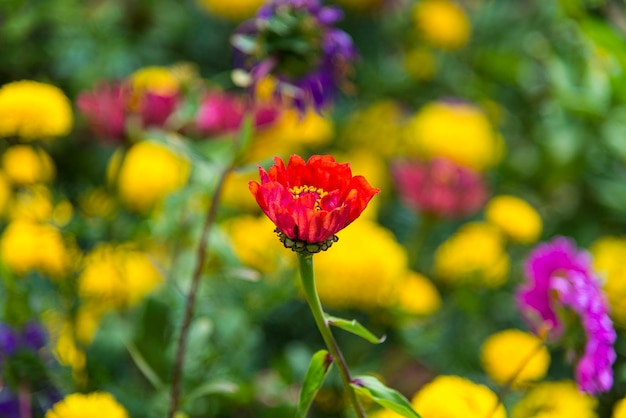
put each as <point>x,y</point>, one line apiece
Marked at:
<point>561,276</point>
<point>295,41</point>
<point>105,108</point>
<point>33,336</point>
<point>9,404</point>
<point>9,340</point>
<point>439,187</point>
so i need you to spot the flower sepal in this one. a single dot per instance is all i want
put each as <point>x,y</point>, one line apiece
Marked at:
<point>303,247</point>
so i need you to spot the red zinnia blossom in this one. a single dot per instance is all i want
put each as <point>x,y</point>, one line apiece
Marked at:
<point>439,187</point>
<point>311,201</point>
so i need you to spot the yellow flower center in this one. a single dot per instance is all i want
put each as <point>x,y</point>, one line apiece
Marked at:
<point>298,191</point>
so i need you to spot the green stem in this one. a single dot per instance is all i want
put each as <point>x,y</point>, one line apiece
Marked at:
<point>418,239</point>
<point>308,281</point>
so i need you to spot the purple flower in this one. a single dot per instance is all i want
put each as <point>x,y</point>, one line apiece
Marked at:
<point>8,340</point>
<point>295,41</point>
<point>9,404</point>
<point>560,276</point>
<point>34,336</point>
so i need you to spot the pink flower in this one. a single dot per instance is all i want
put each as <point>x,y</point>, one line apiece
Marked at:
<point>157,108</point>
<point>439,187</point>
<point>558,277</point>
<point>105,108</point>
<point>221,113</point>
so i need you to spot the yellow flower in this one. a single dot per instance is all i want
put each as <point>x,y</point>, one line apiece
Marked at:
<point>416,295</point>
<point>442,23</point>
<point>619,410</point>
<point>255,243</point>
<point>34,111</point>
<point>5,193</point>
<point>26,245</point>
<point>290,134</point>
<point>377,128</point>
<point>233,10</point>
<point>157,80</point>
<point>33,203</point>
<point>456,130</point>
<point>117,276</point>
<point>148,173</point>
<point>609,254</point>
<point>363,268</point>
<point>97,203</point>
<point>235,193</point>
<point>456,397</point>
<point>25,165</point>
<point>515,217</point>
<point>555,400</point>
<point>514,357</point>
<point>92,405</point>
<point>420,64</point>
<point>474,254</point>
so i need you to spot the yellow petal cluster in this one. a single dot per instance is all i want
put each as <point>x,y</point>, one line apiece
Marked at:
<point>117,276</point>
<point>26,165</point>
<point>5,193</point>
<point>456,130</point>
<point>362,270</point>
<point>456,397</point>
<point>92,405</point>
<point>416,295</point>
<point>32,111</point>
<point>619,410</point>
<point>233,10</point>
<point>157,80</point>
<point>515,358</point>
<point>255,243</point>
<point>475,255</point>
<point>148,173</point>
<point>555,400</point>
<point>26,245</point>
<point>519,221</point>
<point>609,254</point>
<point>442,23</point>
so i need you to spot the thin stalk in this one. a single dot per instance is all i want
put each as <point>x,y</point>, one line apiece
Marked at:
<point>202,250</point>
<point>308,281</point>
<point>418,239</point>
<point>24,400</point>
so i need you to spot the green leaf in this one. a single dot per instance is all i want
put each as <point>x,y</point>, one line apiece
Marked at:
<point>389,398</point>
<point>212,388</point>
<point>319,368</point>
<point>355,328</point>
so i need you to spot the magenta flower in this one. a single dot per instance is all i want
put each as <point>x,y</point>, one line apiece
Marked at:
<point>105,109</point>
<point>560,278</point>
<point>222,113</point>
<point>296,42</point>
<point>157,108</point>
<point>439,187</point>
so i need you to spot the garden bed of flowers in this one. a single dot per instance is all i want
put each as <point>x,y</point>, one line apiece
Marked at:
<point>307,208</point>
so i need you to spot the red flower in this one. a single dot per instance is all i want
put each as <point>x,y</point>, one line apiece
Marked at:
<point>311,201</point>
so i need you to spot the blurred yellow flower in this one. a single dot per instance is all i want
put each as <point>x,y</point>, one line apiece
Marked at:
<point>26,245</point>
<point>233,10</point>
<point>420,64</point>
<point>97,202</point>
<point>456,397</point>
<point>157,80</point>
<point>117,276</point>
<point>475,254</point>
<point>148,173</point>
<point>34,111</point>
<point>609,254</point>
<point>619,409</point>
<point>5,193</point>
<point>442,23</point>
<point>515,217</point>
<point>235,191</point>
<point>555,400</point>
<point>290,134</point>
<point>255,243</point>
<point>514,357</point>
<point>363,268</point>
<point>33,203</point>
<point>416,295</point>
<point>92,405</point>
<point>456,130</point>
<point>25,165</point>
<point>377,128</point>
